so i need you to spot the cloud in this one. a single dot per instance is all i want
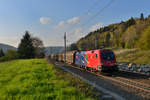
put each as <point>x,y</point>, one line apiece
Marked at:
<point>73,36</point>
<point>78,32</point>
<point>61,23</point>
<point>67,24</point>
<point>74,32</point>
<point>74,20</point>
<point>45,20</point>
<point>95,27</point>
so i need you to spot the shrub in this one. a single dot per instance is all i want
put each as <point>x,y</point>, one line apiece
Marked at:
<point>10,55</point>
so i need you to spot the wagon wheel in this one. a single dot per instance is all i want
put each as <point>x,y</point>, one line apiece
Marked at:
<point>86,68</point>
<point>80,66</point>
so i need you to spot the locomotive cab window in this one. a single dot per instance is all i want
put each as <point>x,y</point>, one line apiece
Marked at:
<point>107,55</point>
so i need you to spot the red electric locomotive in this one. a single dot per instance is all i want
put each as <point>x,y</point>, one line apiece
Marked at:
<point>101,60</point>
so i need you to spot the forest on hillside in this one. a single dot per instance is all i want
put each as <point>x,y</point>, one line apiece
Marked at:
<point>133,33</point>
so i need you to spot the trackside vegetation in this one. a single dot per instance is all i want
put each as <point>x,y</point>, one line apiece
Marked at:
<point>35,79</point>
<point>137,57</point>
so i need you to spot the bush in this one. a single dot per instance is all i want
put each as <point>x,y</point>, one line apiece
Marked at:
<point>10,55</point>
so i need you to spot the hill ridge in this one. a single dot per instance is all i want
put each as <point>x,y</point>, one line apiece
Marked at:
<point>6,47</point>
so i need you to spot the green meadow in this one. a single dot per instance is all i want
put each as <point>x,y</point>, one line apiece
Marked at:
<point>36,79</point>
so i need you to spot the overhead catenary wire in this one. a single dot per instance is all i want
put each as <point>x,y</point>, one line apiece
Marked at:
<point>70,31</point>
<point>97,2</point>
<point>93,17</point>
<point>98,13</point>
<point>93,6</point>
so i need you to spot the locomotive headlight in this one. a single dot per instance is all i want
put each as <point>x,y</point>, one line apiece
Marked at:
<point>98,67</point>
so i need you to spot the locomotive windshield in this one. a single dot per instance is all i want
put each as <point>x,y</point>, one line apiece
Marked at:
<point>107,55</point>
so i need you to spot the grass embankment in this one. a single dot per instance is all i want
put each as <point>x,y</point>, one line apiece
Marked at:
<point>37,80</point>
<point>137,57</point>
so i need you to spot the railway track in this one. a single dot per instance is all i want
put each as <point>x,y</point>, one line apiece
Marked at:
<point>139,87</point>
<point>138,84</point>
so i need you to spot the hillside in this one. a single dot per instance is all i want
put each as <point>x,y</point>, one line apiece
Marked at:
<point>126,34</point>
<point>35,79</point>
<point>133,56</point>
<point>55,49</point>
<point>6,47</point>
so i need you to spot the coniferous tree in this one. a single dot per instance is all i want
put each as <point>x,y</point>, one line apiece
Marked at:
<point>148,16</point>
<point>26,49</point>
<point>130,22</point>
<point>142,16</point>
<point>1,53</point>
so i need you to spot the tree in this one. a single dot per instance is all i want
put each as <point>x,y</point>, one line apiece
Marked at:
<point>144,42</point>
<point>148,16</point>
<point>142,16</point>
<point>25,48</point>
<point>107,39</point>
<point>1,53</point>
<point>73,46</point>
<point>123,45</point>
<point>38,47</point>
<point>130,37</point>
<point>130,22</point>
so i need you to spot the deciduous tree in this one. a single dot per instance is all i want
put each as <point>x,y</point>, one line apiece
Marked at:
<point>144,42</point>
<point>38,47</point>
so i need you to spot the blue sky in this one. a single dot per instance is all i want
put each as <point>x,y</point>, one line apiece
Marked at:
<point>49,19</point>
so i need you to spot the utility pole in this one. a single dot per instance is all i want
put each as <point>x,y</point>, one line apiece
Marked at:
<point>65,47</point>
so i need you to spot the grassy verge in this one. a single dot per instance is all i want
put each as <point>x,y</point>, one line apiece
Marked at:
<point>37,80</point>
<point>80,85</point>
<point>137,57</point>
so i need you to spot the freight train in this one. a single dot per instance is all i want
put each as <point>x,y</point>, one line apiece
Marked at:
<point>102,60</point>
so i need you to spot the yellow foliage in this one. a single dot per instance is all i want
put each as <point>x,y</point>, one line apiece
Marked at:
<point>144,42</point>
